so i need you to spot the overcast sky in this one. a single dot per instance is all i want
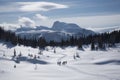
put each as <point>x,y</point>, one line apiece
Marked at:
<point>86,13</point>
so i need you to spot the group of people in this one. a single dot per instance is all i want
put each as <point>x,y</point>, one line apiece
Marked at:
<point>33,56</point>
<point>61,63</point>
<point>75,56</point>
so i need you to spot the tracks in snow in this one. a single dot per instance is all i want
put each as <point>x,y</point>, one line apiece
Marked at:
<point>87,73</point>
<point>80,71</point>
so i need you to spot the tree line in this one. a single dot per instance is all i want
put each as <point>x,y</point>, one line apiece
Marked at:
<point>97,41</point>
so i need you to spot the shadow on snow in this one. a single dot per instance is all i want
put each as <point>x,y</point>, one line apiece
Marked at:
<point>117,62</point>
<point>30,60</point>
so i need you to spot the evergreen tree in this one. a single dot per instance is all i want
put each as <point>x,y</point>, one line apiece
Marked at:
<point>54,50</point>
<point>79,43</point>
<point>14,53</point>
<point>92,46</point>
<point>42,43</point>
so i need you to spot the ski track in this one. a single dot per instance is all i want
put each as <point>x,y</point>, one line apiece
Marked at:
<point>86,73</point>
<point>80,71</point>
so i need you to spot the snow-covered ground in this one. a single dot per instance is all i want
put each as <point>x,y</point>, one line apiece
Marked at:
<point>92,65</point>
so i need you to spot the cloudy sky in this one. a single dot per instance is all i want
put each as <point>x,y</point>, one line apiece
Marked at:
<point>86,13</point>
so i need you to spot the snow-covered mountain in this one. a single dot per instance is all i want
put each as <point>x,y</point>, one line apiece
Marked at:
<point>70,28</point>
<point>59,30</point>
<point>105,29</point>
<point>109,29</point>
<point>47,34</point>
<point>30,28</point>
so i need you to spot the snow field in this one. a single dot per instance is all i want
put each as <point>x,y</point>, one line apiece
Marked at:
<point>92,65</point>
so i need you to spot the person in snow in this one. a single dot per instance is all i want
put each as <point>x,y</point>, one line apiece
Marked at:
<point>64,63</point>
<point>59,63</point>
<point>14,66</point>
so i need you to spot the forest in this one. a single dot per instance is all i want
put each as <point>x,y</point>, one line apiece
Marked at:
<point>97,41</point>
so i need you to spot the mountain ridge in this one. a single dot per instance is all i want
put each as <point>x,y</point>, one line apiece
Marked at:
<point>59,30</point>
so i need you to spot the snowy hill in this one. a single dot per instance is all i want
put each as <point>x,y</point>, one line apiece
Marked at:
<point>30,28</point>
<point>90,65</point>
<point>59,30</point>
<point>110,29</point>
<point>105,29</point>
<point>47,34</point>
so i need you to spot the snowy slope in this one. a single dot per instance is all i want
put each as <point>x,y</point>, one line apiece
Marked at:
<point>92,65</point>
<point>30,28</point>
<point>47,34</point>
<point>115,28</point>
<point>105,29</point>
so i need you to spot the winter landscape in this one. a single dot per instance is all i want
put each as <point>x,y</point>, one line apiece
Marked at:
<point>59,40</point>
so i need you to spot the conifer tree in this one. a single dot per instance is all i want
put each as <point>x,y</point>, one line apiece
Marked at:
<point>14,53</point>
<point>92,46</point>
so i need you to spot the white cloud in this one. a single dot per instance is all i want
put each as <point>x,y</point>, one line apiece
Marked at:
<point>9,7</point>
<point>9,26</point>
<point>30,6</point>
<point>40,6</point>
<point>40,17</point>
<point>26,22</point>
